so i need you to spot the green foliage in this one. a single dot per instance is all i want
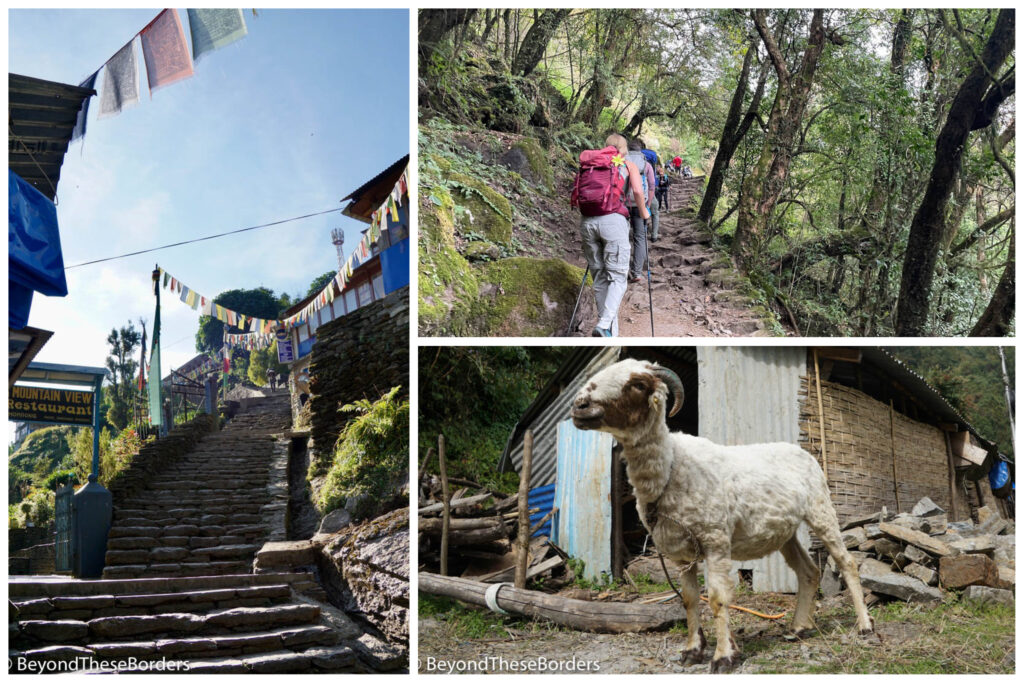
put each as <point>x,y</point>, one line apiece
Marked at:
<point>475,396</point>
<point>80,442</point>
<point>259,303</point>
<point>319,283</point>
<point>43,452</point>
<point>122,369</point>
<point>262,359</point>
<point>371,457</point>
<point>36,510</point>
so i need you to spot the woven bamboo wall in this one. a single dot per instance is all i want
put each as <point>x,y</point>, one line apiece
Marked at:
<point>859,447</point>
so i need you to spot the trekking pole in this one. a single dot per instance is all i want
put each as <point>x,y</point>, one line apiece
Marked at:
<point>579,294</point>
<point>650,297</point>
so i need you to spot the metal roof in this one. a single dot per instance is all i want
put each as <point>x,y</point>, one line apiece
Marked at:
<point>22,347</point>
<point>41,116</point>
<point>371,194</point>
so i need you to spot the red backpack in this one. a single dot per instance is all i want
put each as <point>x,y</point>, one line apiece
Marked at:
<point>600,183</point>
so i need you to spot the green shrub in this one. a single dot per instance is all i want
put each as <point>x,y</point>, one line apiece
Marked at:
<point>371,456</point>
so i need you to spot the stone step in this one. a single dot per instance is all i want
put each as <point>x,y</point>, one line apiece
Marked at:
<point>212,530</point>
<point>40,587</point>
<point>126,571</point>
<point>87,607</point>
<point>274,651</point>
<point>172,625</point>
<point>158,555</point>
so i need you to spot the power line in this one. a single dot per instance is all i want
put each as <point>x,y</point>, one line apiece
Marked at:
<point>201,239</point>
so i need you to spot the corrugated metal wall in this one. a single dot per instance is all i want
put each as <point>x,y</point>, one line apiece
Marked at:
<point>545,428</point>
<point>751,395</point>
<point>583,523</point>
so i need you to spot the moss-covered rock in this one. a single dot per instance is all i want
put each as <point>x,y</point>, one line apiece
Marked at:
<point>525,297</point>
<point>481,209</point>
<point>475,252</point>
<point>528,159</point>
<point>447,283</point>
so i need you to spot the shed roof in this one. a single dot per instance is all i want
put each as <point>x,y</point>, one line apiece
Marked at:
<point>41,117</point>
<point>367,197</point>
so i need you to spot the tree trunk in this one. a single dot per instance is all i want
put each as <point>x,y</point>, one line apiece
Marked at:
<point>764,185</point>
<point>435,25</point>
<point>975,102</point>
<point>537,39</point>
<point>995,321</point>
<point>732,134</point>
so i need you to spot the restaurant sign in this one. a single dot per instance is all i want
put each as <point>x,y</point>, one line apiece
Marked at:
<point>36,404</point>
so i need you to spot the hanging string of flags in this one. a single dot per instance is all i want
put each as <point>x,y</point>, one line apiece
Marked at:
<point>258,333</point>
<point>165,54</point>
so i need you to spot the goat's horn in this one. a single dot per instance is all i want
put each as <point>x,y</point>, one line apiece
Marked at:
<point>675,386</point>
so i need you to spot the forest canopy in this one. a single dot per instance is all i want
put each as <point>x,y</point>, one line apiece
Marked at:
<point>859,162</point>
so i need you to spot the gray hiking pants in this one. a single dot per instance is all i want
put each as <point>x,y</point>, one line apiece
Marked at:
<point>606,247</point>
<point>638,237</point>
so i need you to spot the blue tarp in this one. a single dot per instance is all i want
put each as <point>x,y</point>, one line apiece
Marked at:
<point>542,497</point>
<point>33,249</point>
<point>394,261</point>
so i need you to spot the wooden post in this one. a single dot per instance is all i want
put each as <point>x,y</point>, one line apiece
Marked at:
<point>892,445</point>
<point>618,556</point>
<point>446,518</point>
<point>523,559</point>
<point>952,478</point>
<point>821,417</point>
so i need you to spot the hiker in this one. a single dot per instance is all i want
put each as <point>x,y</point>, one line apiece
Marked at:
<point>272,379</point>
<point>677,164</point>
<point>661,193</point>
<point>604,176</point>
<point>687,173</point>
<point>638,223</point>
<point>652,159</point>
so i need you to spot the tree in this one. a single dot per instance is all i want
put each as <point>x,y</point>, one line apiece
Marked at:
<point>995,321</point>
<point>258,303</point>
<point>260,360</point>
<point>974,107</point>
<point>765,183</point>
<point>122,366</point>
<point>318,284</point>
<point>434,26</point>
<point>536,40</point>
<point>732,133</point>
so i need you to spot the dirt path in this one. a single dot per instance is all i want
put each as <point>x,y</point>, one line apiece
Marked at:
<point>909,639</point>
<point>687,302</point>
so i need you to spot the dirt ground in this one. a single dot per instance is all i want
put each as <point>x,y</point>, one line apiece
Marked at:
<point>687,299</point>
<point>951,638</point>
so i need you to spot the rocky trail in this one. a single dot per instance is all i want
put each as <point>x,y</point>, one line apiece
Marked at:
<point>693,288</point>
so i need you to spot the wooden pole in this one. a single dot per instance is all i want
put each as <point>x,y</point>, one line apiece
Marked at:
<point>892,445</point>
<point>446,518</point>
<point>523,559</point>
<point>821,417</point>
<point>952,478</point>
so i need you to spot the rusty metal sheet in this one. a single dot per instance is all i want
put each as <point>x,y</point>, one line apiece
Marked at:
<point>583,489</point>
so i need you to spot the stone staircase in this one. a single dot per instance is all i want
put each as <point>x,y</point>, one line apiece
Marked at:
<point>178,587</point>
<point>202,515</point>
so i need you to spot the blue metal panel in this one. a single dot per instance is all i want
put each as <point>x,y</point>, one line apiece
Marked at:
<point>583,488</point>
<point>542,497</point>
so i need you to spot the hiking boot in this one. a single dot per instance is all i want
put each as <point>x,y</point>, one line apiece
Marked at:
<point>636,279</point>
<point>601,332</point>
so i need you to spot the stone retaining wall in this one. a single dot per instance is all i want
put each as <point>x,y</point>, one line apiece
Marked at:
<point>360,355</point>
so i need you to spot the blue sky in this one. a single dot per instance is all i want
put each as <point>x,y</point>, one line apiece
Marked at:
<point>285,122</point>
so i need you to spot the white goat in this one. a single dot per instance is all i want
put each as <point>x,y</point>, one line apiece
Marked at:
<point>700,500</point>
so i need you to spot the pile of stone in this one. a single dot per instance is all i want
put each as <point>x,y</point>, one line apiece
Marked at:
<point>918,556</point>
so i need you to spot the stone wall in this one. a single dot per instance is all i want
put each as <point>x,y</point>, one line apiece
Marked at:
<point>19,539</point>
<point>152,457</point>
<point>360,355</point>
<point>860,445</point>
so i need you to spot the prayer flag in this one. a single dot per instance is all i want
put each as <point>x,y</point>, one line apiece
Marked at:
<point>83,113</point>
<point>165,50</point>
<point>167,277</point>
<point>120,81</point>
<point>212,29</point>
